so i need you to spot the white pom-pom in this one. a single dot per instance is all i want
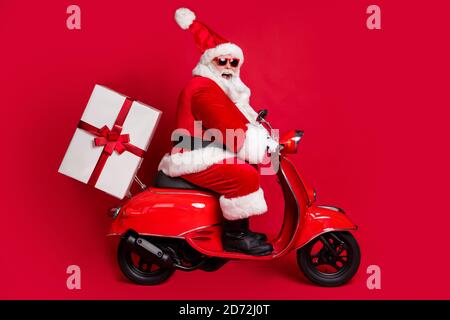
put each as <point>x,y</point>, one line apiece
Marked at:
<point>184,17</point>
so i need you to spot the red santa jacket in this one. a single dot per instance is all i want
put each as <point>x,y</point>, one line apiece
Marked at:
<point>203,100</point>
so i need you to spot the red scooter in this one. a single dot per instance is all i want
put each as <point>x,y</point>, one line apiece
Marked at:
<point>176,225</point>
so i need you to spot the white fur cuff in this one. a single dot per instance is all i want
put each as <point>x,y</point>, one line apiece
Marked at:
<point>256,141</point>
<point>243,207</point>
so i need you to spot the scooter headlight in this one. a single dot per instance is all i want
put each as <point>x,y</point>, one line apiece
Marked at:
<point>290,140</point>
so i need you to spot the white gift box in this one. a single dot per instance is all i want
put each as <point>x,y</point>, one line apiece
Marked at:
<point>107,148</point>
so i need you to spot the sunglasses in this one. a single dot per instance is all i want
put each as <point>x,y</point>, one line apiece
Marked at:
<point>234,62</point>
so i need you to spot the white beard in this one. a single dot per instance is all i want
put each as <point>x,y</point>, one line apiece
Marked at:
<point>234,88</point>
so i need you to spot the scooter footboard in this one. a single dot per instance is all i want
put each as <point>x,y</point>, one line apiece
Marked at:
<point>322,219</point>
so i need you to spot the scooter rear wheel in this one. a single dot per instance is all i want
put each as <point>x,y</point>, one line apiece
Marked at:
<point>331,259</point>
<point>135,268</point>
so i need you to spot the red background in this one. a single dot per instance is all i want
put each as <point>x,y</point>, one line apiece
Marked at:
<point>373,104</point>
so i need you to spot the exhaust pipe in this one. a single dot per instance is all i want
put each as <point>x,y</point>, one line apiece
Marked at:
<point>148,250</point>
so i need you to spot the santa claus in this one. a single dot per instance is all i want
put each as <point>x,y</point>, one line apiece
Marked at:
<point>217,100</point>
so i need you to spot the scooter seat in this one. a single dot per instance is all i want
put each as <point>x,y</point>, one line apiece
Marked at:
<point>164,181</point>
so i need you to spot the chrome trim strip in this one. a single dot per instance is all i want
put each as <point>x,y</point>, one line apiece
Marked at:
<point>332,208</point>
<point>198,228</point>
<point>180,236</point>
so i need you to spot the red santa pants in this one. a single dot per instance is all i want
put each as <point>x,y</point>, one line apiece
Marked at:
<point>238,183</point>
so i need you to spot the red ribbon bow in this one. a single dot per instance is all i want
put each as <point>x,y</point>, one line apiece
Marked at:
<point>112,139</point>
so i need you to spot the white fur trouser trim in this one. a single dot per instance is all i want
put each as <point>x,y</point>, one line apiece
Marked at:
<point>243,207</point>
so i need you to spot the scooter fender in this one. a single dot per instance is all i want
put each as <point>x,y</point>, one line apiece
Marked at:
<point>320,220</point>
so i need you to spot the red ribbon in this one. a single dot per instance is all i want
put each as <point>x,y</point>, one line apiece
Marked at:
<point>111,139</point>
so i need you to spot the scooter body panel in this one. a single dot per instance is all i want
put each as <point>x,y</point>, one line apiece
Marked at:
<point>167,212</point>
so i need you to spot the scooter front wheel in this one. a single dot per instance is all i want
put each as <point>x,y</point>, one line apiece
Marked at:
<point>331,259</point>
<point>137,269</point>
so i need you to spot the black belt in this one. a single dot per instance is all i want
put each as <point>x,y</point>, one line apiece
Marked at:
<point>194,143</point>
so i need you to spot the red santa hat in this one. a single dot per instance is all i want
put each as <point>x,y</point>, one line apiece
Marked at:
<point>210,43</point>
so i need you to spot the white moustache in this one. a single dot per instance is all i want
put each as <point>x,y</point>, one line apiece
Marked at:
<point>231,72</point>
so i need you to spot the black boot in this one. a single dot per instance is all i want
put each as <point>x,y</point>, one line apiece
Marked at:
<point>236,238</point>
<point>256,235</point>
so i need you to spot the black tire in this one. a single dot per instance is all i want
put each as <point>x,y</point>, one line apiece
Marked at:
<point>138,270</point>
<point>342,256</point>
